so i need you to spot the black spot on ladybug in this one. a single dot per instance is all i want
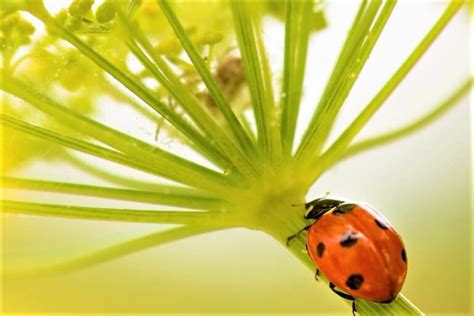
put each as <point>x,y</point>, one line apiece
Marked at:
<point>381,224</point>
<point>404,255</point>
<point>349,239</point>
<point>320,249</point>
<point>343,209</point>
<point>354,281</point>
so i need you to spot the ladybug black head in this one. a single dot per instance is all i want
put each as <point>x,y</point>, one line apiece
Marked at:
<point>318,207</point>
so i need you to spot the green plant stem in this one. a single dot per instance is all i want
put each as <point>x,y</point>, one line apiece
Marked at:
<point>69,142</point>
<point>174,167</point>
<point>199,116</point>
<point>359,45</point>
<point>191,105</point>
<point>116,214</point>
<point>237,130</point>
<point>257,72</point>
<point>297,31</point>
<point>412,127</point>
<point>109,175</point>
<point>92,149</point>
<point>112,252</point>
<point>162,194</point>
<point>344,89</point>
<point>339,146</point>
<point>203,144</point>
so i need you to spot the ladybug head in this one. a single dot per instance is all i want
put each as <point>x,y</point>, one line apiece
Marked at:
<point>316,208</point>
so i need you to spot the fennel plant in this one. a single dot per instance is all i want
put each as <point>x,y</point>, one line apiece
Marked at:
<point>256,175</point>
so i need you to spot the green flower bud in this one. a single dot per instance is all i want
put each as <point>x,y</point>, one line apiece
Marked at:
<point>9,22</point>
<point>73,23</point>
<point>170,46</point>
<point>25,27</point>
<point>80,7</point>
<point>207,38</point>
<point>106,12</point>
<point>61,16</point>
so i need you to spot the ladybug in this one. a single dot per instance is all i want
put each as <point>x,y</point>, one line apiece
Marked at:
<point>356,249</point>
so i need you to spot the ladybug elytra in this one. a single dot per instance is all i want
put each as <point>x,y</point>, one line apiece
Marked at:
<point>356,249</point>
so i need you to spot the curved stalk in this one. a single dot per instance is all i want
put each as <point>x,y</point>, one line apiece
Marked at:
<point>111,252</point>
<point>162,194</point>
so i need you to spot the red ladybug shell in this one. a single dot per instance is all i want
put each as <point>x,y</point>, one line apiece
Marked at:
<point>358,250</point>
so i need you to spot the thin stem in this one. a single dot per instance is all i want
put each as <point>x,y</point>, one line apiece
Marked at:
<point>162,194</point>
<point>109,253</point>
<point>297,31</point>
<point>351,132</point>
<point>203,144</point>
<point>409,128</point>
<point>108,154</point>
<point>109,175</point>
<point>353,73</point>
<point>257,72</point>
<point>199,116</point>
<point>353,57</point>
<point>175,167</point>
<point>202,68</point>
<point>191,105</point>
<point>115,214</point>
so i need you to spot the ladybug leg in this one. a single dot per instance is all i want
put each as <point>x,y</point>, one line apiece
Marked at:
<point>354,309</point>
<point>296,234</point>
<point>345,296</point>
<point>316,275</point>
<point>341,294</point>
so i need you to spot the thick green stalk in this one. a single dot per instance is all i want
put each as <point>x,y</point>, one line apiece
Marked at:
<point>161,194</point>
<point>350,63</point>
<point>202,143</point>
<point>112,252</point>
<point>237,130</point>
<point>297,31</point>
<point>116,214</point>
<point>257,73</point>
<point>339,146</point>
<point>412,127</point>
